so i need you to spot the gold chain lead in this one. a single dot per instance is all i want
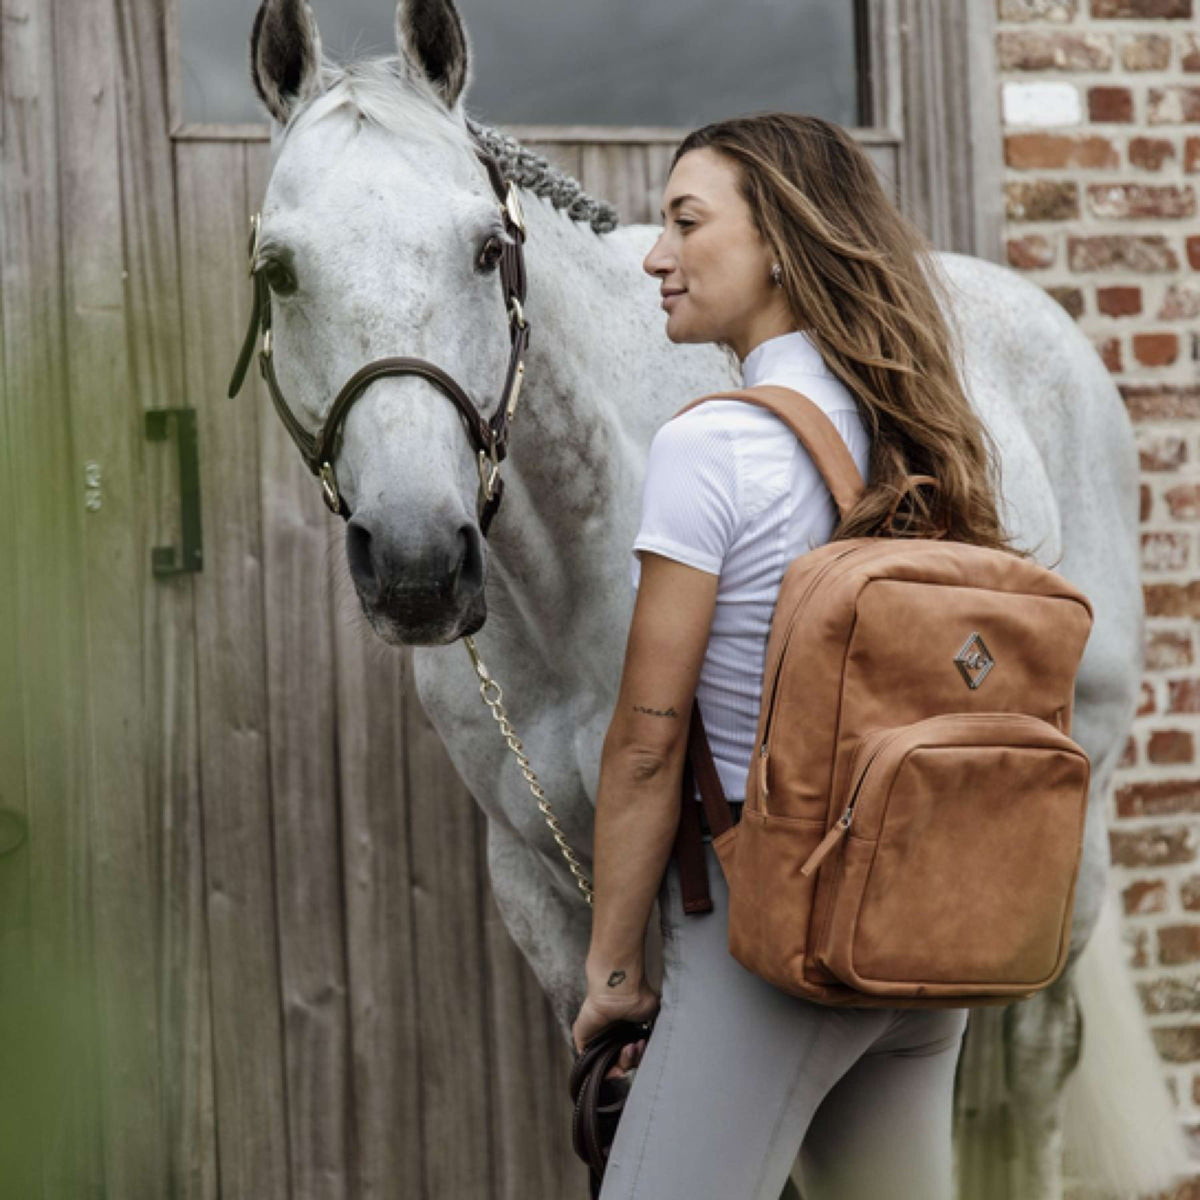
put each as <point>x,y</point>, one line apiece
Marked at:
<point>489,689</point>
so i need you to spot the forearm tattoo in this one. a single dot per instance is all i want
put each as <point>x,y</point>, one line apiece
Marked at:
<point>615,978</point>
<point>656,712</point>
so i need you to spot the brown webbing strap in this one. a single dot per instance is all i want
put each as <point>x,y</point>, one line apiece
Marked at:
<point>689,845</point>
<point>689,850</point>
<point>716,807</point>
<point>817,433</point>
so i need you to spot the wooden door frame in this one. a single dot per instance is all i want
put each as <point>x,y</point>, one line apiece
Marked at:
<point>929,85</point>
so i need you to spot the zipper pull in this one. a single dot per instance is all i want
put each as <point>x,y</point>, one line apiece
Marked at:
<point>762,774</point>
<point>828,842</point>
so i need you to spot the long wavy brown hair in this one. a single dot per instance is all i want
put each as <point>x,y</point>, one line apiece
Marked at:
<point>863,283</point>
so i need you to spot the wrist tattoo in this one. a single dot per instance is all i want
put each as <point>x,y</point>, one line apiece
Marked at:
<point>615,978</point>
<point>656,712</point>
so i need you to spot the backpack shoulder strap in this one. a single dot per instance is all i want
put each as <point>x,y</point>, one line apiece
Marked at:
<point>816,431</point>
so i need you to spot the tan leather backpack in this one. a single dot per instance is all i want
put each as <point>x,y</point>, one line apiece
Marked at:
<point>914,812</point>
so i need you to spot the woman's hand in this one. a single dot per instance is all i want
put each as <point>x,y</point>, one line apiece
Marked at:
<point>601,1009</point>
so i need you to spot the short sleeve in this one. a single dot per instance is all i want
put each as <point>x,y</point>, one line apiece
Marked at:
<point>690,499</point>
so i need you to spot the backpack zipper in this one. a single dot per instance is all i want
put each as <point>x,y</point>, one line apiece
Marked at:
<point>841,826</point>
<point>763,751</point>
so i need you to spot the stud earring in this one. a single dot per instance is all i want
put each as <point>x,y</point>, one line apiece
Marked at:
<point>777,275</point>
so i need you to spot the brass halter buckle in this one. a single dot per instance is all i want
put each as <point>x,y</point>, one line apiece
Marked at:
<point>255,228</point>
<point>488,473</point>
<point>329,488</point>
<point>512,203</point>
<point>511,411</point>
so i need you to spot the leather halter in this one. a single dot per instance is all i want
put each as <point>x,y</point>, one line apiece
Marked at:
<point>489,436</point>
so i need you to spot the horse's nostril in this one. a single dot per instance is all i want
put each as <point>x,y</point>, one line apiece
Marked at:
<point>358,556</point>
<point>471,563</point>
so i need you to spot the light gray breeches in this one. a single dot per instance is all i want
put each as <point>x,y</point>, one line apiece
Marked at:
<point>738,1077</point>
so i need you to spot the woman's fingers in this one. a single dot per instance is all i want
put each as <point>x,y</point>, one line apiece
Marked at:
<point>629,1057</point>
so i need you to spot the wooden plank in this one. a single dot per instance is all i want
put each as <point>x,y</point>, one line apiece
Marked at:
<point>200,131</point>
<point>527,1075</point>
<point>50,1145</point>
<point>636,199</point>
<point>614,135</point>
<point>380,937</point>
<point>169,635</point>
<point>18,1134</point>
<point>564,155</point>
<point>658,171</point>
<point>604,135</point>
<point>446,878</point>
<point>18,1164</point>
<point>619,174</point>
<point>107,440</point>
<point>646,135</point>
<point>235,777</point>
<point>297,528</point>
<point>168,36</point>
<point>985,1146</point>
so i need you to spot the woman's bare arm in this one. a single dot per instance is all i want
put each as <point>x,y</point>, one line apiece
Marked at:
<point>641,766</point>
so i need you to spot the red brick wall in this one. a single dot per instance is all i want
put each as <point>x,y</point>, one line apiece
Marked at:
<point>1101,110</point>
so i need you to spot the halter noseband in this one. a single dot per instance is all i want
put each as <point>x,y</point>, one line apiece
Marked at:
<point>489,436</point>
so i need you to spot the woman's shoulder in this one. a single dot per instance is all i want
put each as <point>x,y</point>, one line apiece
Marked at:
<point>731,433</point>
<point>742,419</point>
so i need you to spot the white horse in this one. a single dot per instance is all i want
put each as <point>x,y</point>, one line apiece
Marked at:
<point>374,220</point>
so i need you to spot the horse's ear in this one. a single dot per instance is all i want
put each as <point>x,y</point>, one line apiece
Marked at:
<point>431,35</point>
<point>285,55</point>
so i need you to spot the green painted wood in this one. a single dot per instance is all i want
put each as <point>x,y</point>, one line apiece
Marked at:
<point>107,442</point>
<point>50,1135</point>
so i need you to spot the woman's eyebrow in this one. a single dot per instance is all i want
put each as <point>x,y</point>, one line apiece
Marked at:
<point>677,201</point>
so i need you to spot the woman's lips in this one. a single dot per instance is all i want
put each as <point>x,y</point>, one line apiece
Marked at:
<point>666,300</point>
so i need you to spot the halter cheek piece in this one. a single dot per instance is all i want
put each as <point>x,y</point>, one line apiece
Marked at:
<point>489,436</point>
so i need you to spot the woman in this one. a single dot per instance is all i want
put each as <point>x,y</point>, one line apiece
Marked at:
<point>780,245</point>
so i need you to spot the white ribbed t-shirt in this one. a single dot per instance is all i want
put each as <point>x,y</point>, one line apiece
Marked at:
<point>730,489</point>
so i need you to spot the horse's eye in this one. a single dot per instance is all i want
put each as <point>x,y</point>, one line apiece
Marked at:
<point>279,277</point>
<point>490,255</point>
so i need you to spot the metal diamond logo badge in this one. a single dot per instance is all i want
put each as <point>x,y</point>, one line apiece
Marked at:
<point>974,661</point>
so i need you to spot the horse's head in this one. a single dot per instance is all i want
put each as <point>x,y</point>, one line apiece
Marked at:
<point>381,235</point>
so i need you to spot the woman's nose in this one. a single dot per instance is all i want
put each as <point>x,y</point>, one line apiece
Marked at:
<point>652,265</point>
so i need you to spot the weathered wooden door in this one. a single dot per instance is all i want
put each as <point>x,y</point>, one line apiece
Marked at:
<point>247,946</point>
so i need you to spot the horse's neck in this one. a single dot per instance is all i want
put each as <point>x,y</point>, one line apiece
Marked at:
<point>600,378</point>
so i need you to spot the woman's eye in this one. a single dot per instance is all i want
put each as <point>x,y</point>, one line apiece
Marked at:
<point>683,222</point>
<point>491,253</point>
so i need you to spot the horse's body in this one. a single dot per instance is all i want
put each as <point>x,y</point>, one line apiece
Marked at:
<point>381,224</point>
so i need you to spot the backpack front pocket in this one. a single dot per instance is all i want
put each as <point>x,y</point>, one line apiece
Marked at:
<point>959,850</point>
